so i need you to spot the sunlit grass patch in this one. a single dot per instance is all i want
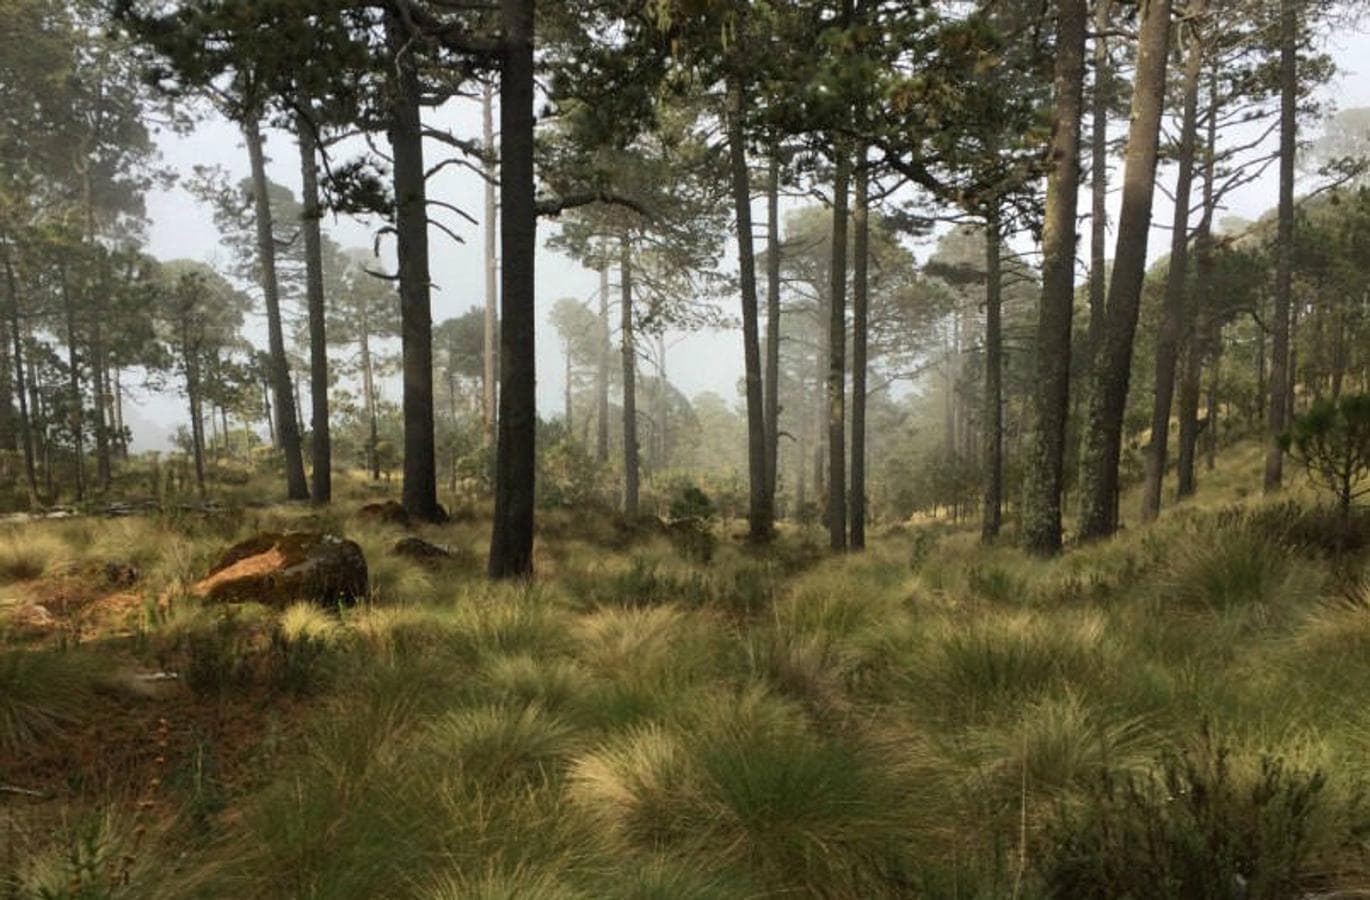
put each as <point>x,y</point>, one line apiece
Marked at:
<point>744,781</point>
<point>495,745</point>
<point>28,552</point>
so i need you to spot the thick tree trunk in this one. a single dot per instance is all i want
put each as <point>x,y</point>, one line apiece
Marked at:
<point>287,428</point>
<point>1280,376</point>
<point>420,486</point>
<point>993,423</point>
<point>628,346</point>
<point>860,306</point>
<point>20,388</point>
<point>602,371</point>
<point>1098,220</point>
<point>837,354</point>
<point>1045,464</point>
<point>772,380</point>
<point>1173,313</point>
<point>511,545</point>
<point>1113,364</point>
<point>760,508</point>
<point>321,443</point>
<point>489,376</point>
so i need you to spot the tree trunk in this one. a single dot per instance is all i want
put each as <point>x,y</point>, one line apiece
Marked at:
<point>1284,269</point>
<point>287,429</point>
<point>1198,302</point>
<point>491,338</point>
<point>1214,382</point>
<point>511,545</point>
<point>25,422</point>
<point>1098,220</point>
<point>772,379</point>
<point>1172,315</point>
<point>993,424</point>
<point>567,397</point>
<point>373,459</point>
<point>1045,464</point>
<point>1112,370</point>
<point>197,434</point>
<point>629,359</point>
<point>118,394</point>
<point>321,444</point>
<point>860,302</point>
<point>420,486</point>
<point>602,371</point>
<point>76,414</point>
<point>837,354</point>
<point>760,509</point>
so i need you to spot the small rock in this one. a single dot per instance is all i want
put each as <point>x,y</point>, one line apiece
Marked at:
<point>421,551</point>
<point>277,569</point>
<point>29,620</point>
<point>391,512</point>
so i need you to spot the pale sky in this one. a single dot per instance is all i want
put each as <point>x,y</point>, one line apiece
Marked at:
<point>708,361</point>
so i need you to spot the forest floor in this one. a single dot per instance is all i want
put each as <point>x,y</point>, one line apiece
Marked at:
<point>1179,712</point>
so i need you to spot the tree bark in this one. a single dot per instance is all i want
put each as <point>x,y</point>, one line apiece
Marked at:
<point>74,383</point>
<point>860,301</point>
<point>1098,220</point>
<point>602,371</point>
<point>837,354</point>
<point>373,459</point>
<point>287,429</point>
<point>1045,464</point>
<point>321,443</point>
<point>992,514</point>
<point>420,486</point>
<point>189,357</point>
<point>772,380</point>
<point>1173,313</point>
<point>1113,364</point>
<point>628,348</point>
<point>511,545</point>
<point>760,509</point>
<point>1280,379</point>
<point>491,337</point>
<point>25,422</point>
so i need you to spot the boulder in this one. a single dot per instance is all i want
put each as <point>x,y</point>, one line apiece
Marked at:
<point>391,512</point>
<point>422,552</point>
<point>278,569</point>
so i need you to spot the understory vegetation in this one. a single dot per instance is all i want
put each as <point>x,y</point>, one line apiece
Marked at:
<point>1177,712</point>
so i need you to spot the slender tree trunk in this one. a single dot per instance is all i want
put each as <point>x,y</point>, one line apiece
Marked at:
<point>369,400</point>
<point>321,444</point>
<point>1198,303</point>
<point>992,516</point>
<point>420,486</point>
<point>489,376</point>
<point>1214,383</point>
<point>837,354</point>
<point>1173,313</point>
<point>1045,464</point>
<point>197,434</point>
<point>104,468</point>
<point>1291,379</point>
<point>511,546</point>
<point>9,427</point>
<point>1099,483</point>
<point>860,300</point>
<point>761,513</point>
<point>118,394</point>
<point>287,428</point>
<point>76,414</point>
<point>1280,375</point>
<point>629,350</point>
<point>1098,220</point>
<point>772,379</point>
<point>602,371</point>
<point>25,423</point>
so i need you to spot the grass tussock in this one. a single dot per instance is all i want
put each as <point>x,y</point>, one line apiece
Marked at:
<point>1174,713</point>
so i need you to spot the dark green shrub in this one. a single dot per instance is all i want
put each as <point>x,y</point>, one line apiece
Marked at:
<point>1332,440</point>
<point>1191,830</point>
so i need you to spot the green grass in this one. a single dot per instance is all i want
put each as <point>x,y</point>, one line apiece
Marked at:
<point>928,719</point>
